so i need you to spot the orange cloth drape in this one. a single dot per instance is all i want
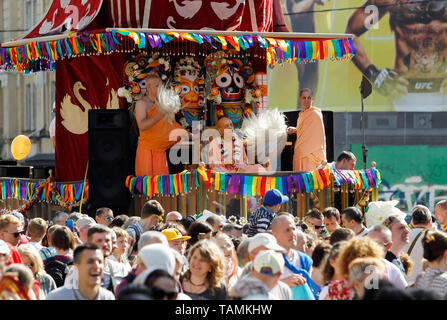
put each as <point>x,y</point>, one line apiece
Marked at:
<point>152,145</point>
<point>310,145</point>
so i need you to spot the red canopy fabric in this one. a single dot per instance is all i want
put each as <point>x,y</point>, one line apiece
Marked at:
<point>73,15</point>
<point>230,15</point>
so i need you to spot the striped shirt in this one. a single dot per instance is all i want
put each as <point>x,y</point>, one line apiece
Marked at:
<point>433,279</point>
<point>260,221</point>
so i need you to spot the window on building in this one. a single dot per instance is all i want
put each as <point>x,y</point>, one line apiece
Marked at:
<point>28,115</point>
<point>28,14</point>
<point>34,12</point>
<point>34,107</point>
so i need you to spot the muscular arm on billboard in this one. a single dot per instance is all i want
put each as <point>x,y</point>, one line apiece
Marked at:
<point>357,25</point>
<point>386,81</point>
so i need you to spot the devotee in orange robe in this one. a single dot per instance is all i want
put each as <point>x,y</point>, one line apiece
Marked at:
<point>310,145</point>
<point>154,133</point>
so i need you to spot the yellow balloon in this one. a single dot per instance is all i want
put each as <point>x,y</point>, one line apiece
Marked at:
<point>20,147</point>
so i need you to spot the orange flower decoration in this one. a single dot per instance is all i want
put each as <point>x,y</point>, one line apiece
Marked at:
<point>214,91</point>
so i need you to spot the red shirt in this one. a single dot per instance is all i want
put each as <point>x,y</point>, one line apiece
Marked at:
<point>14,256</point>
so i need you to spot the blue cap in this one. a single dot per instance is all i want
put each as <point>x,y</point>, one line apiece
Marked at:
<point>273,197</point>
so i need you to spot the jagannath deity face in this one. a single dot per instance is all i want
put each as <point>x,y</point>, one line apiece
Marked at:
<point>189,91</point>
<point>231,86</point>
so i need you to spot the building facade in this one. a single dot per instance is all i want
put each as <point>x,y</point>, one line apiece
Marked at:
<point>26,100</point>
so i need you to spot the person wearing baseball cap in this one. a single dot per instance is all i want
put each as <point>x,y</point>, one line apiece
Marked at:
<point>83,224</point>
<point>258,244</point>
<point>267,267</point>
<point>260,219</point>
<point>176,239</point>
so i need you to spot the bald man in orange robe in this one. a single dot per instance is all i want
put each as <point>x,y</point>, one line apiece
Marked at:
<point>310,145</point>
<point>154,133</point>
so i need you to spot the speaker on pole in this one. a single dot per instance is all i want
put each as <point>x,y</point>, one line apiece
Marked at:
<point>109,159</point>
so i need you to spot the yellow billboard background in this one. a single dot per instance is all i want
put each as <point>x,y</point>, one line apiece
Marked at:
<point>339,81</point>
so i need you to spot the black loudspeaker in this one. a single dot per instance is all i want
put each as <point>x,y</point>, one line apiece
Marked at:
<point>109,159</point>
<point>291,120</point>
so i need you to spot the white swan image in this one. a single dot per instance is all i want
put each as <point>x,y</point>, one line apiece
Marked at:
<point>47,26</point>
<point>223,9</point>
<point>188,9</point>
<point>75,118</point>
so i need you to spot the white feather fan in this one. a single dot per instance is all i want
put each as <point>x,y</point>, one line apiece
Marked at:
<point>168,102</point>
<point>266,132</point>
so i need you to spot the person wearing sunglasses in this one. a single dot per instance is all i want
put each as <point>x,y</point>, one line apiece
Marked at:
<point>10,234</point>
<point>10,229</point>
<point>314,220</point>
<point>161,285</point>
<point>310,145</point>
<point>104,216</point>
<point>152,214</point>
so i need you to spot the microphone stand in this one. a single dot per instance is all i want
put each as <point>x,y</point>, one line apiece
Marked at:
<point>365,91</point>
<point>362,122</point>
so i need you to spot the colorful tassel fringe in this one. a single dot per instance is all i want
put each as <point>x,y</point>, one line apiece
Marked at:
<point>41,56</point>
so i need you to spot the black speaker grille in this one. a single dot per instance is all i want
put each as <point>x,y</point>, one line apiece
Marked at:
<point>109,157</point>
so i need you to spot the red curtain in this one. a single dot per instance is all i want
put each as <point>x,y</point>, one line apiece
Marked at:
<point>240,15</point>
<point>81,84</point>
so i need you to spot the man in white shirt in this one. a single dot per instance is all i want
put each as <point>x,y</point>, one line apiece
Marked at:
<point>420,221</point>
<point>383,236</point>
<point>89,261</point>
<point>352,218</point>
<point>37,228</point>
<point>345,161</point>
<point>267,267</point>
<point>261,242</point>
<point>114,271</point>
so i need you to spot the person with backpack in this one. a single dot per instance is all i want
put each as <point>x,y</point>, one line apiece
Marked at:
<point>57,266</point>
<point>151,215</point>
<point>421,220</point>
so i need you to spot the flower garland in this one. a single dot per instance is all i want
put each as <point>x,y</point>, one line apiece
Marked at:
<point>65,195</point>
<point>42,55</point>
<point>246,185</point>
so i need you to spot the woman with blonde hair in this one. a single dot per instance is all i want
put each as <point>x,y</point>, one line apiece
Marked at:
<point>365,273</point>
<point>205,277</point>
<point>32,259</point>
<point>120,253</point>
<point>355,248</point>
<point>435,252</point>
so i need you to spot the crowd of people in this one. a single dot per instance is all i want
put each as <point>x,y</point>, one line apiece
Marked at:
<point>328,255</point>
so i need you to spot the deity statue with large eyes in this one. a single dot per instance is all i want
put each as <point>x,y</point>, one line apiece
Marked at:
<point>188,81</point>
<point>230,87</point>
